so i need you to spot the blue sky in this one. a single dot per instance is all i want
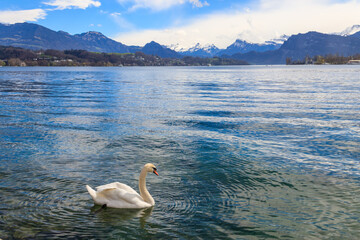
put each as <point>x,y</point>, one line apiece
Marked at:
<point>185,22</point>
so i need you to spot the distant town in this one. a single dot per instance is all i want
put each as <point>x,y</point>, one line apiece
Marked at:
<point>328,59</point>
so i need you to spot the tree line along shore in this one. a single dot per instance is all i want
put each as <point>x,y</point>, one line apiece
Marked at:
<point>15,56</point>
<point>327,59</point>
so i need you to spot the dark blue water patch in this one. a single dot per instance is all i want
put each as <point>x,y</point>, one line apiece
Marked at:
<point>206,85</point>
<point>247,128</point>
<point>296,114</point>
<point>333,147</point>
<point>214,113</point>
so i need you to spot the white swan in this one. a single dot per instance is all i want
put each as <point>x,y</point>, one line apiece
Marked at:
<point>119,195</point>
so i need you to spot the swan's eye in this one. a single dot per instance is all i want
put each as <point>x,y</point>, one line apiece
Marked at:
<point>154,169</point>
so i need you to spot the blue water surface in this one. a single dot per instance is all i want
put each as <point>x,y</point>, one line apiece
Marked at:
<point>249,152</point>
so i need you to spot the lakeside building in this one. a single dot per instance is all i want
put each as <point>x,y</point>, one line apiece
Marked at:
<point>354,62</point>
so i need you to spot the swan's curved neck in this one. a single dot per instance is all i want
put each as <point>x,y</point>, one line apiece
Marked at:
<point>144,193</point>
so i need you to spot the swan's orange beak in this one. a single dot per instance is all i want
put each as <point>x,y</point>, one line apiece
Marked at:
<point>155,172</point>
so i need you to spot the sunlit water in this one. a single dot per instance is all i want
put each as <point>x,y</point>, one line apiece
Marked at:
<point>250,152</point>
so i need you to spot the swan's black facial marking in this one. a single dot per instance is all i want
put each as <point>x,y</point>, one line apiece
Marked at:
<point>154,171</point>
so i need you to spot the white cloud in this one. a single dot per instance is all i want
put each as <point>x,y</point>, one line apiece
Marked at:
<point>95,25</point>
<point>256,23</point>
<point>198,3</point>
<point>122,22</point>
<point>66,4</point>
<point>11,17</point>
<point>115,14</point>
<point>20,16</point>
<point>159,5</point>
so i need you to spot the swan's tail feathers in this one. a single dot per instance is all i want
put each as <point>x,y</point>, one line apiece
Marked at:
<point>91,191</point>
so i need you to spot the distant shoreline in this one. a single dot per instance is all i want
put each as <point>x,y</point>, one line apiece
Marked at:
<point>14,56</point>
<point>329,59</point>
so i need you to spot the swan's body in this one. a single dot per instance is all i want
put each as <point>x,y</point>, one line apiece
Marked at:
<point>119,195</point>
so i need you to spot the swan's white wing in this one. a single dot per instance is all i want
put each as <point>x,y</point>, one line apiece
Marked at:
<point>116,185</point>
<point>120,198</point>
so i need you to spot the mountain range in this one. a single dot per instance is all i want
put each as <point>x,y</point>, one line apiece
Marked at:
<point>35,37</point>
<point>240,46</point>
<point>310,44</point>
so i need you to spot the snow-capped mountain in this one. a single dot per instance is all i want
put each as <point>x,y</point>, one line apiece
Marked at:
<point>209,48</point>
<point>199,50</point>
<point>176,47</point>
<point>241,46</point>
<point>349,31</point>
<point>280,40</point>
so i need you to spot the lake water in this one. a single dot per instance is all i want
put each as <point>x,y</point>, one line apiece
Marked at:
<point>249,152</point>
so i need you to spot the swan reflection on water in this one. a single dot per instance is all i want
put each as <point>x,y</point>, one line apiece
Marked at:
<point>115,215</point>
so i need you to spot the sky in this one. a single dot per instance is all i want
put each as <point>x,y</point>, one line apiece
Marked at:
<point>185,22</point>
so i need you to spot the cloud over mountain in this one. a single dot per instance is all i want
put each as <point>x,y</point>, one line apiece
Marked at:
<point>256,22</point>
<point>68,4</point>
<point>186,22</point>
<point>20,16</point>
<point>33,15</point>
<point>159,5</point>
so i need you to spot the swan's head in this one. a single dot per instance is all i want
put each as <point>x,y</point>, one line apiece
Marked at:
<point>151,168</point>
